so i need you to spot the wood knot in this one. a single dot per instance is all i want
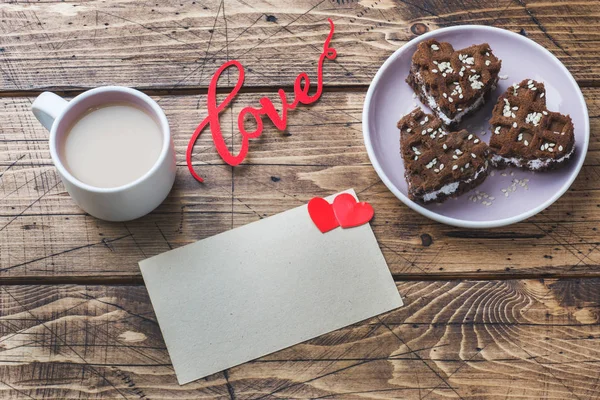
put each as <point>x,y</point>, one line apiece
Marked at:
<point>426,239</point>
<point>419,28</point>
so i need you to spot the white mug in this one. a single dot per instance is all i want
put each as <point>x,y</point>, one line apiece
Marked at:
<point>122,203</point>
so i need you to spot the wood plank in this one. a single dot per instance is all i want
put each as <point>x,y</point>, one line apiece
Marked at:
<point>470,339</point>
<point>561,240</point>
<point>44,234</point>
<point>178,44</point>
<point>328,133</point>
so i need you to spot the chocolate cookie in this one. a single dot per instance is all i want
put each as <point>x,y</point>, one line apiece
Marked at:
<point>453,83</point>
<point>439,164</point>
<point>525,134</point>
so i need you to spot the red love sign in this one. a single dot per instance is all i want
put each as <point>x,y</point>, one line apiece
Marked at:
<point>301,89</point>
<point>345,212</point>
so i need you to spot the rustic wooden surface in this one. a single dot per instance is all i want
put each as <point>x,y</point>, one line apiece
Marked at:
<point>177,44</point>
<point>503,313</point>
<point>505,339</point>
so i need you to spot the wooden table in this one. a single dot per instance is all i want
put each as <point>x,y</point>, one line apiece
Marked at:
<point>505,313</point>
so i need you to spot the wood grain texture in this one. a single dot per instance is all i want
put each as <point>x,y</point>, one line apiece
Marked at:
<point>44,234</point>
<point>509,333</point>
<point>177,44</point>
<point>474,339</point>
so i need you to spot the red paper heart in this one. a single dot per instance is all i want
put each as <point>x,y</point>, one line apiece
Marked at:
<point>350,213</point>
<point>321,213</point>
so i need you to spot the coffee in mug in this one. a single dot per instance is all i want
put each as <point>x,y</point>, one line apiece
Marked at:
<point>112,148</point>
<point>111,145</point>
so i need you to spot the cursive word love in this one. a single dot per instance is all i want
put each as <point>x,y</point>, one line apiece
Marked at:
<point>301,96</point>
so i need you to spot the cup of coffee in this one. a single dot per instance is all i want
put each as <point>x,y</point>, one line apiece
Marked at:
<point>113,150</point>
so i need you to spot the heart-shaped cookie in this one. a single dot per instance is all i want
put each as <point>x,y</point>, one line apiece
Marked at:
<point>453,83</point>
<point>439,164</point>
<point>525,134</point>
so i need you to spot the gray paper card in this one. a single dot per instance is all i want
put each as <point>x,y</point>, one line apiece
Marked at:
<point>263,287</point>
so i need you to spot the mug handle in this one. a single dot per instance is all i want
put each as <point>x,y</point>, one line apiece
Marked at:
<point>46,107</point>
